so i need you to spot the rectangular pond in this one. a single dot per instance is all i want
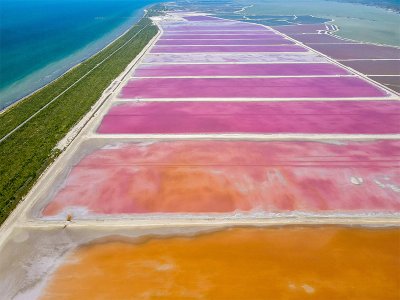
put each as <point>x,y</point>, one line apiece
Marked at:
<point>204,49</point>
<point>287,87</point>
<point>226,177</point>
<point>359,51</point>
<point>262,42</point>
<point>277,69</point>
<point>191,58</point>
<point>375,67</point>
<point>346,117</point>
<point>208,262</point>
<point>219,36</point>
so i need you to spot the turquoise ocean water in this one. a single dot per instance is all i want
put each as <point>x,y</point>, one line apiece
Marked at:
<point>41,39</point>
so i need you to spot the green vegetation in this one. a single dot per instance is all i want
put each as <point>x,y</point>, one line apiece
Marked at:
<point>28,152</point>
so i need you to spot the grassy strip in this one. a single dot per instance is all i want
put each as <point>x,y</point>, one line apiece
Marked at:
<point>28,151</point>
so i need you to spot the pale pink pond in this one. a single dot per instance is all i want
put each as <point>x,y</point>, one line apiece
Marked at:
<point>239,70</point>
<point>350,117</point>
<point>295,87</point>
<point>223,177</point>
<point>202,18</point>
<point>233,57</point>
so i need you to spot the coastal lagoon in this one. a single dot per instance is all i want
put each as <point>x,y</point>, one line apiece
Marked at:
<point>366,23</point>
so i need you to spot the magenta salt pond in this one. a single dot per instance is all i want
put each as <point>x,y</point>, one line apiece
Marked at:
<point>262,42</point>
<point>290,87</point>
<point>367,117</point>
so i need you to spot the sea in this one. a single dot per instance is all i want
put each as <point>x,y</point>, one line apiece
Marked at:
<point>41,39</point>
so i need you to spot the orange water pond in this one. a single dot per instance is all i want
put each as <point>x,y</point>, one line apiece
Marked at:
<point>238,263</point>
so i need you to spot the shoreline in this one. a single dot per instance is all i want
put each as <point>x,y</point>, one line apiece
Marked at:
<point>137,16</point>
<point>50,123</point>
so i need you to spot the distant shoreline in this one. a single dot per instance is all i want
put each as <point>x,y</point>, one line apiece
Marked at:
<point>366,23</point>
<point>390,7</point>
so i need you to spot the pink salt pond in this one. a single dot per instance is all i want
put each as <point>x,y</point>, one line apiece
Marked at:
<point>204,58</point>
<point>220,26</point>
<point>276,69</point>
<point>289,87</point>
<point>223,177</point>
<point>220,31</point>
<point>202,18</point>
<point>203,49</point>
<point>219,36</point>
<point>212,42</point>
<point>349,117</point>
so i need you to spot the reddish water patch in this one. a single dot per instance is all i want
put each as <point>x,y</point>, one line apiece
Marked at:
<point>201,177</point>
